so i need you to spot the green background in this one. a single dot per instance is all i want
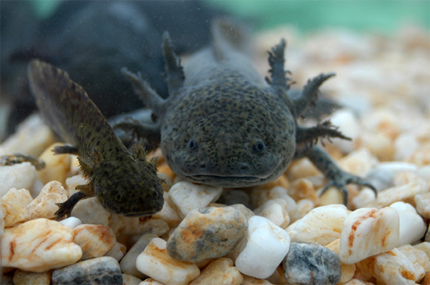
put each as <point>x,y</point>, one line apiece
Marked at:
<point>382,16</point>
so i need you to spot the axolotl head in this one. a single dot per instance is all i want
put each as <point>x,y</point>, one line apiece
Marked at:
<point>129,187</point>
<point>230,136</point>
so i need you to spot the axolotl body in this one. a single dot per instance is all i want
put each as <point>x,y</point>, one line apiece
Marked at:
<point>224,125</point>
<point>124,182</point>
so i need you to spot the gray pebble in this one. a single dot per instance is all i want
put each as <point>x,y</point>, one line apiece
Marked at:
<point>208,233</point>
<point>97,271</point>
<point>311,264</point>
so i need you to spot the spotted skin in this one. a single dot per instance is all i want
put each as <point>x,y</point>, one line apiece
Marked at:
<point>124,183</point>
<point>223,125</point>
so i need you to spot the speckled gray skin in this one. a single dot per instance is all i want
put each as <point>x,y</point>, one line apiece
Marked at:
<point>223,125</point>
<point>124,183</point>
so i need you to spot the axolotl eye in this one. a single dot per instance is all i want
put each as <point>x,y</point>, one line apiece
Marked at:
<point>259,146</point>
<point>192,144</point>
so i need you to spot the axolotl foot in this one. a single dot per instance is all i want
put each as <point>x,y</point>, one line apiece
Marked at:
<point>341,179</point>
<point>65,209</point>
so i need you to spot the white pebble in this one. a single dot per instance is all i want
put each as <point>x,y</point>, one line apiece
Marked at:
<point>275,211</point>
<point>348,125</point>
<point>320,226</point>
<point>412,226</point>
<point>382,176</point>
<point>13,205</point>
<point>392,267</point>
<point>265,247</point>
<point>368,231</point>
<point>74,181</point>
<point>365,197</point>
<point>155,262</point>
<point>186,196</point>
<point>424,172</point>
<point>17,176</point>
<point>423,204</point>
<point>39,245</point>
<point>405,145</point>
<point>117,251</point>
<point>72,222</point>
<point>45,205</point>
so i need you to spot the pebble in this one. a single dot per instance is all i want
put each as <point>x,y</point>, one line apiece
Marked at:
<point>368,231</point>
<point>221,272</point>
<point>122,225</point>
<point>150,281</point>
<point>404,146</point>
<point>348,124</point>
<point>130,280</point>
<point>412,226</point>
<point>311,264</point>
<point>32,130</point>
<point>168,213</point>
<point>207,233</point>
<point>357,282</point>
<point>320,226</point>
<point>424,172</point>
<point>22,175</point>
<point>259,197</point>
<point>90,211</point>
<point>156,263</point>
<point>358,162</point>
<point>57,166</point>
<point>94,240</point>
<point>303,189</point>
<point>425,247</point>
<point>186,196</point>
<point>72,222</point>
<point>379,145</point>
<point>117,251</point>
<point>364,198</point>
<point>347,270</point>
<point>13,205</point>
<point>382,176</point>
<point>302,168</point>
<point>128,263</point>
<point>44,206</point>
<point>422,202</point>
<point>392,267</point>
<point>304,207</point>
<point>419,259</point>
<point>275,211</point>
<point>406,193</point>
<point>248,280</point>
<point>100,270</point>
<point>265,245</point>
<point>74,181</point>
<point>331,196</point>
<point>31,278</point>
<point>39,245</point>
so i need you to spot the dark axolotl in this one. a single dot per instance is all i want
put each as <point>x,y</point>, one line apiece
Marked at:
<point>223,125</point>
<point>125,183</point>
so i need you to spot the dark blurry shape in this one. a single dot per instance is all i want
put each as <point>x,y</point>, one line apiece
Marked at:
<point>92,40</point>
<point>18,31</point>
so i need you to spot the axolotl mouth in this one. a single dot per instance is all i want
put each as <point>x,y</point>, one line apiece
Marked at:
<point>228,181</point>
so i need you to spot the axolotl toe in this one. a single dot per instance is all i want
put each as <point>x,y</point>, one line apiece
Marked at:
<point>224,125</point>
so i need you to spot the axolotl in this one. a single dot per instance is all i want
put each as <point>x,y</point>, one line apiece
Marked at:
<point>224,125</point>
<point>124,182</point>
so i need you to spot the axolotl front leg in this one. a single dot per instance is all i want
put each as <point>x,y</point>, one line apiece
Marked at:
<point>335,176</point>
<point>306,138</point>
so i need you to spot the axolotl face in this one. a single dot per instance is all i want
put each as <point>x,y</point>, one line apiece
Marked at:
<point>229,135</point>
